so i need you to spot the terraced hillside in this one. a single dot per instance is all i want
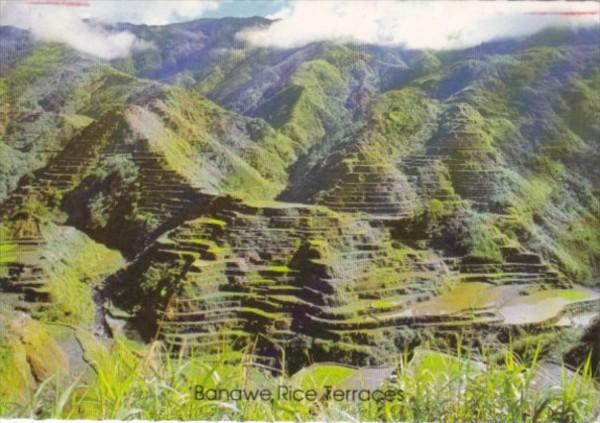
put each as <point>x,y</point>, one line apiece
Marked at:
<point>330,202</point>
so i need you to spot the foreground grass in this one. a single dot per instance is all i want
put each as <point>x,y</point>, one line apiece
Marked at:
<point>130,383</point>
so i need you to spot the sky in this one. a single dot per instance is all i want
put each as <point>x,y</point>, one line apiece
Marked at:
<point>413,24</point>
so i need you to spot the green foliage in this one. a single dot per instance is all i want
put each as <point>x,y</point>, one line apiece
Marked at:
<point>8,250</point>
<point>482,244</point>
<point>575,243</point>
<point>15,375</point>
<point>522,69</point>
<point>28,353</point>
<point>119,165</point>
<point>10,168</point>
<point>114,183</point>
<point>482,136</point>
<point>78,264</point>
<point>36,209</point>
<point>133,383</point>
<point>579,250</point>
<point>311,105</point>
<point>194,129</point>
<point>42,62</point>
<point>103,90</point>
<point>98,210</point>
<point>435,210</point>
<point>583,101</point>
<point>396,117</point>
<point>231,72</point>
<point>158,277</point>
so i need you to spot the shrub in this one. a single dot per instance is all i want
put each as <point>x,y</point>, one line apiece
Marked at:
<point>157,385</point>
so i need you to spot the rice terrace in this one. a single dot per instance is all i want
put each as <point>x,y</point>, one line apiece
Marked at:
<point>300,210</point>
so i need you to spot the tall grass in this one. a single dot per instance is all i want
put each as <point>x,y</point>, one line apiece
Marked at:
<point>129,383</point>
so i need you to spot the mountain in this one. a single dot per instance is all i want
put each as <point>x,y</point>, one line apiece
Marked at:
<point>334,202</point>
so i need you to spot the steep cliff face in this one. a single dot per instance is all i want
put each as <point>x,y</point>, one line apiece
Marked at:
<point>331,201</point>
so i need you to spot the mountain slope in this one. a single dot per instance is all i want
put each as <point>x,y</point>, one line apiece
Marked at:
<point>331,201</point>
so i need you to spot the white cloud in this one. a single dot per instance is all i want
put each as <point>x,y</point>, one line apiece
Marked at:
<point>415,24</point>
<point>58,23</point>
<point>150,12</point>
<point>418,24</point>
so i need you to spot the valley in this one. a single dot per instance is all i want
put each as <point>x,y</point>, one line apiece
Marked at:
<point>325,203</point>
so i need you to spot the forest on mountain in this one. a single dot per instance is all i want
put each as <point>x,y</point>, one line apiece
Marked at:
<point>332,202</point>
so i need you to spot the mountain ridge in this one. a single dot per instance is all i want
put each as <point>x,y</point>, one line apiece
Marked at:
<point>319,200</point>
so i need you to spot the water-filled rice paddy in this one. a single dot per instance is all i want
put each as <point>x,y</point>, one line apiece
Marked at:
<point>511,304</point>
<point>543,305</point>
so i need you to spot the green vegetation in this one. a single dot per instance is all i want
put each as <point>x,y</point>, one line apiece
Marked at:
<point>8,250</point>
<point>28,353</point>
<point>12,162</point>
<point>42,62</point>
<point>397,115</point>
<point>482,244</point>
<point>78,263</point>
<point>312,209</point>
<point>131,383</point>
